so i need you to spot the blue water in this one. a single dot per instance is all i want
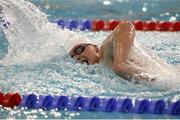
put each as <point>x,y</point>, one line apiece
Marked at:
<point>117,9</point>
<point>60,75</point>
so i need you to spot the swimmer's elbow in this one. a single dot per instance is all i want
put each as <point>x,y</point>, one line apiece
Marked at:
<point>119,68</point>
<point>126,26</point>
<point>126,32</point>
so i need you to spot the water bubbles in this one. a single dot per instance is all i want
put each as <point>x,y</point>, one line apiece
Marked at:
<point>106,2</point>
<point>153,19</point>
<point>45,116</point>
<point>172,18</point>
<point>31,117</point>
<point>47,7</point>
<point>72,114</point>
<point>40,110</point>
<point>57,114</point>
<point>167,13</point>
<point>130,12</point>
<point>34,111</point>
<point>77,113</point>
<point>144,9</point>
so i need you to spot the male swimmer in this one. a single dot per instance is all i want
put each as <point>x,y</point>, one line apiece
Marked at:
<point>121,53</point>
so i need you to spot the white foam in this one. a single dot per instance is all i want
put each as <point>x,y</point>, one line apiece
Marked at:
<point>31,36</point>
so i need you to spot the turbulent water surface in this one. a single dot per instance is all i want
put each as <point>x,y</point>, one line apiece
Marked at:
<point>33,61</point>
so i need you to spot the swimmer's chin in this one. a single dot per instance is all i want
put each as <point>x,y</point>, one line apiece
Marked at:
<point>97,60</point>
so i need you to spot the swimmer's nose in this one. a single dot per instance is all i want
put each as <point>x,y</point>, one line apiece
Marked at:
<point>92,55</point>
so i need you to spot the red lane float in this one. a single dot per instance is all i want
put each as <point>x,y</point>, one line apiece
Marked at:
<point>139,25</point>
<point>111,24</point>
<point>1,98</point>
<point>151,25</point>
<point>165,26</point>
<point>176,26</point>
<point>10,99</point>
<point>98,25</point>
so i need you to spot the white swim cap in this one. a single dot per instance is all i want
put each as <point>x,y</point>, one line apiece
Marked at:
<point>75,40</point>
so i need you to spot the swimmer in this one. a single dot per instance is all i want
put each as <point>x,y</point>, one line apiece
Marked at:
<point>121,53</point>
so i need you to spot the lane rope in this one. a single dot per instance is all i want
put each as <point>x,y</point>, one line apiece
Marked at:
<point>81,103</point>
<point>98,25</point>
<point>109,25</point>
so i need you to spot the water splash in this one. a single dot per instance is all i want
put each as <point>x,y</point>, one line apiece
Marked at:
<point>31,36</point>
<point>36,63</point>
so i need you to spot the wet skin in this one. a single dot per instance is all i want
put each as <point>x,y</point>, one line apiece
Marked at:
<point>114,53</point>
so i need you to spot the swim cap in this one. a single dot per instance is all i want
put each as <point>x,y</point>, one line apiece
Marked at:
<point>75,40</point>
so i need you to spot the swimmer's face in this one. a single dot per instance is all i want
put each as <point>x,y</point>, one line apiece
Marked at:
<point>86,53</point>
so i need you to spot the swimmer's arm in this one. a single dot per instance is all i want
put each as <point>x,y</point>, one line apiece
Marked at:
<point>122,42</point>
<point>130,72</point>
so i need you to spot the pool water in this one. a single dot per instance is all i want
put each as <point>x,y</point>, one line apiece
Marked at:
<point>36,62</point>
<point>167,10</point>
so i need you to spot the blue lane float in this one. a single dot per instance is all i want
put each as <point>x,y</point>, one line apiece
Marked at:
<point>75,24</point>
<point>141,106</point>
<point>174,108</point>
<point>77,103</point>
<point>157,107</point>
<point>60,102</point>
<point>29,101</point>
<point>45,102</point>
<point>85,25</point>
<point>109,105</point>
<point>124,105</point>
<point>93,104</point>
<point>61,23</point>
<point>72,24</point>
<point>80,103</point>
